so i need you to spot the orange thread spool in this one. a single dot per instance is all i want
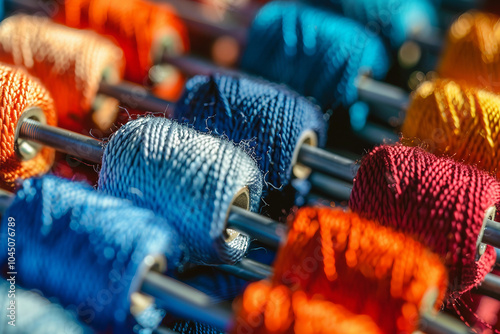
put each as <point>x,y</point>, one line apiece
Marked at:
<point>21,92</point>
<point>143,30</point>
<point>368,268</point>
<point>472,52</point>
<point>70,63</point>
<point>454,119</point>
<point>276,309</point>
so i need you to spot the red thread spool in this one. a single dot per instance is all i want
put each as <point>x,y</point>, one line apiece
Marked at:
<point>338,258</point>
<point>144,30</point>
<point>441,202</point>
<point>22,96</point>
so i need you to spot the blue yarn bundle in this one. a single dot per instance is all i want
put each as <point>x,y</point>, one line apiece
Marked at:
<point>85,247</point>
<point>186,176</point>
<point>268,118</point>
<point>36,314</point>
<point>317,53</point>
<point>396,20</point>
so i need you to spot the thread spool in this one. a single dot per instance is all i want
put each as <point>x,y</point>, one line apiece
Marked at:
<point>316,53</point>
<point>22,98</point>
<point>454,119</point>
<point>441,202</point>
<point>472,51</point>
<point>267,308</point>
<point>396,20</point>
<point>144,30</point>
<point>36,314</point>
<point>270,119</point>
<point>71,68</point>
<point>190,178</point>
<point>90,256</point>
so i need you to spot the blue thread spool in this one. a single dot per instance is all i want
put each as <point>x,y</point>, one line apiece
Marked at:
<point>317,53</point>
<point>190,178</point>
<point>88,249</point>
<point>271,119</point>
<point>396,20</point>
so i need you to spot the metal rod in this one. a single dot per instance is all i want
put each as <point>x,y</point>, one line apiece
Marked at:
<point>136,97</point>
<point>441,323</point>
<point>328,163</point>
<point>247,269</point>
<point>330,187</point>
<point>264,229</point>
<point>376,134</point>
<point>491,235</point>
<point>186,302</point>
<point>62,140</point>
<point>377,92</point>
<point>490,286</point>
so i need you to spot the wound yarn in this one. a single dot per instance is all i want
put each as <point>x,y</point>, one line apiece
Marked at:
<point>268,118</point>
<point>454,119</point>
<point>70,63</point>
<point>39,315</point>
<point>20,92</point>
<point>317,53</point>
<point>439,201</point>
<point>144,30</point>
<point>472,51</point>
<point>188,177</point>
<point>369,269</point>
<point>396,20</point>
<point>267,308</point>
<point>85,248</point>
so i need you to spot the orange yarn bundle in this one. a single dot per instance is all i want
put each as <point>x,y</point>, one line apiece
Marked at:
<point>472,52</point>
<point>143,30</point>
<point>339,257</point>
<point>454,119</point>
<point>276,309</point>
<point>19,92</point>
<point>70,63</point>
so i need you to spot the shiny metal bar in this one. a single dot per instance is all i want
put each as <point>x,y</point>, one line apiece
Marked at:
<point>62,140</point>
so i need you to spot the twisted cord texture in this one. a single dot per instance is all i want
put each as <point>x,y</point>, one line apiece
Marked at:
<point>142,29</point>
<point>269,118</point>
<point>317,53</point>
<point>396,20</point>
<point>85,248</point>
<point>339,268</point>
<point>457,120</point>
<point>70,63</point>
<point>19,91</point>
<point>439,201</point>
<point>472,51</point>
<point>186,176</point>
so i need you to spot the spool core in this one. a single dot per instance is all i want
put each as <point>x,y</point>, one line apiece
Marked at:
<point>299,170</point>
<point>241,200</point>
<point>25,149</point>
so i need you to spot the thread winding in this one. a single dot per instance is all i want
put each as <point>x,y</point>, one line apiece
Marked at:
<point>316,53</point>
<point>70,63</point>
<point>396,20</point>
<point>338,269</point>
<point>439,201</point>
<point>472,51</point>
<point>90,247</point>
<point>142,29</point>
<point>454,119</point>
<point>19,92</point>
<point>188,177</point>
<point>270,119</point>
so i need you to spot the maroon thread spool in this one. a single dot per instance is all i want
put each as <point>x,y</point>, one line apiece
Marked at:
<point>443,203</point>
